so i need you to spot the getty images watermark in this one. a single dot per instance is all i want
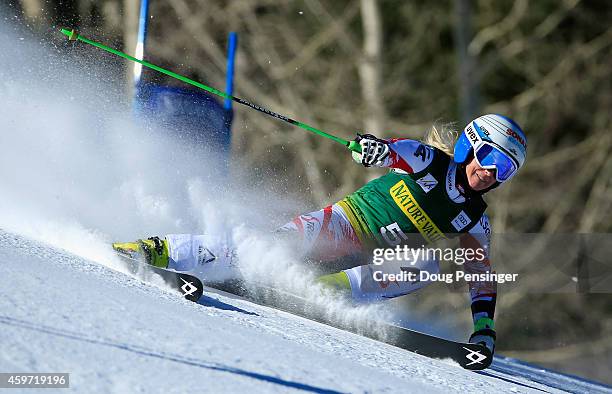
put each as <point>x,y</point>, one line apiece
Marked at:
<point>403,264</point>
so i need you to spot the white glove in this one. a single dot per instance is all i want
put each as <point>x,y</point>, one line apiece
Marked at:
<point>374,151</point>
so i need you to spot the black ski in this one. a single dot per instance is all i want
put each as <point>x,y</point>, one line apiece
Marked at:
<point>190,286</point>
<point>468,355</point>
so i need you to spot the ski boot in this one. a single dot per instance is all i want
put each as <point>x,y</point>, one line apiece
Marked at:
<point>153,251</point>
<point>338,281</point>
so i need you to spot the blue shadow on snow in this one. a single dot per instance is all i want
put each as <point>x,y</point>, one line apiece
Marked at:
<point>162,355</point>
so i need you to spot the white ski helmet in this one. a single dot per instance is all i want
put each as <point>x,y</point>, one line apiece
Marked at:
<point>497,142</point>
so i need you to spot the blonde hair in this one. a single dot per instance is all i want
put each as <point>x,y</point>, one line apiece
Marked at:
<point>442,136</point>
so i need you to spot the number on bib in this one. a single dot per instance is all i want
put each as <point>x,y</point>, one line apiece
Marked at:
<point>393,234</point>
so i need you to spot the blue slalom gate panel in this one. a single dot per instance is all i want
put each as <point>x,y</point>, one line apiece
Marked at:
<point>189,114</point>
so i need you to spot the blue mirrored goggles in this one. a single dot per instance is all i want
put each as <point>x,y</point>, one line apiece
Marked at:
<point>490,157</point>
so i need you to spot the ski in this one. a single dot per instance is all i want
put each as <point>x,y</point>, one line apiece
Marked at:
<point>188,285</point>
<point>468,355</point>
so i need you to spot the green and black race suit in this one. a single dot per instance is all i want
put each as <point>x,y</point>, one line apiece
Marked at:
<point>420,198</point>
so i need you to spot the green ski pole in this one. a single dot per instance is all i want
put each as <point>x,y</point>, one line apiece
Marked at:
<point>74,36</point>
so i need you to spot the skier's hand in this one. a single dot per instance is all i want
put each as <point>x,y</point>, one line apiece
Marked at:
<point>374,151</point>
<point>484,334</point>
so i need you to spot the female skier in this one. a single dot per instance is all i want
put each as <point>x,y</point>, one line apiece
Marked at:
<point>432,192</point>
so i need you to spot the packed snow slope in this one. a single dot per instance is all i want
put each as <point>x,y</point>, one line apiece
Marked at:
<point>114,333</point>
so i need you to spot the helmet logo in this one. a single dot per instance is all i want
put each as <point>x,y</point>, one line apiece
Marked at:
<point>472,135</point>
<point>517,137</point>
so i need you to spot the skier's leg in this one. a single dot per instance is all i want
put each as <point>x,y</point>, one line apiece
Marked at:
<point>152,250</point>
<point>367,282</point>
<point>211,258</point>
<point>324,235</point>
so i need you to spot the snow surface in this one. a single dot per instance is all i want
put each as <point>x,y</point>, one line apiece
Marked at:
<point>113,333</point>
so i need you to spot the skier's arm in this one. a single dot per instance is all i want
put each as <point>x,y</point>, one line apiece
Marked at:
<point>399,153</point>
<point>482,293</point>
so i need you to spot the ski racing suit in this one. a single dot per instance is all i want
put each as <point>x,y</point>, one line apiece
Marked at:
<point>418,202</point>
